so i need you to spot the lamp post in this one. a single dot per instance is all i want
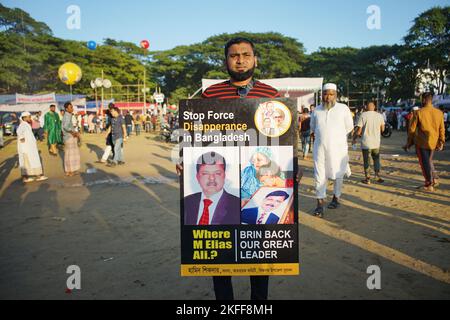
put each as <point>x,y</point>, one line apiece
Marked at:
<point>376,90</point>
<point>145,90</point>
<point>145,93</point>
<point>100,83</point>
<point>94,86</point>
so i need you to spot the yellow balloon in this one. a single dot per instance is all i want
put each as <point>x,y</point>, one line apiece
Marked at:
<point>69,73</point>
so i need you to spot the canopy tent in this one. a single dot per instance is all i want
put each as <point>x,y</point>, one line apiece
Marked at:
<point>93,106</point>
<point>139,106</point>
<point>442,100</point>
<point>304,89</point>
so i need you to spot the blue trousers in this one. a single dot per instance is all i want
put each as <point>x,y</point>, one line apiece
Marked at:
<point>118,151</point>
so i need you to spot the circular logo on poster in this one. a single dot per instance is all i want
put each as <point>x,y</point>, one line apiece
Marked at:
<point>273,118</point>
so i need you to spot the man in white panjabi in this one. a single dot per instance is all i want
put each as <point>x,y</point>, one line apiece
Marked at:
<point>29,161</point>
<point>331,123</point>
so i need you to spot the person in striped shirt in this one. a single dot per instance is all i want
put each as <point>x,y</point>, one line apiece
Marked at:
<point>241,61</point>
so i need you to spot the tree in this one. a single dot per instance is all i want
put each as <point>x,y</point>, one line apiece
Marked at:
<point>20,22</point>
<point>128,48</point>
<point>334,65</point>
<point>31,58</point>
<point>181,69</point>
<point>429,40</point>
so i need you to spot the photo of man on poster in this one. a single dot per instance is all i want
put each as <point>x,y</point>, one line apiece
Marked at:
<point>214,205</point>
<point>265,213</point>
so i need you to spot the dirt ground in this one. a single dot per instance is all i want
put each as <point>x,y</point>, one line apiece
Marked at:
<point>121,226</point>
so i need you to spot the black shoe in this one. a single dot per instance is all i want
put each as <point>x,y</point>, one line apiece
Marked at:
<point>121,163</point>
<point>334,204</point>
<point>318,212</point>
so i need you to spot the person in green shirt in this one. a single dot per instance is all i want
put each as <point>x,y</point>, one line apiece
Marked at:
<point>52,128</point>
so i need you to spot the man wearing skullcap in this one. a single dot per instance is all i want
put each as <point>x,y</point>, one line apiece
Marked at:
<point>29,161</point>
<point>330,124</point>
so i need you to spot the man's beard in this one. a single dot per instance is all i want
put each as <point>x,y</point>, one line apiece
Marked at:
<point>241,76</point>
<point>329,105</point>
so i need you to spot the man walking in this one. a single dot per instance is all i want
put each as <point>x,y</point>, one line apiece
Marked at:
<point>109,143</point>
<point>137,123</point>
<point>331,123</point>
<point>148,122</point>
<point>29,161</point>
<point>72,162</point>
<point>427,133</point>
<point>118,134</point>
<point>129,123</point>
<point>305,131</point>
<point>370,126</point>
<point>52,129</point>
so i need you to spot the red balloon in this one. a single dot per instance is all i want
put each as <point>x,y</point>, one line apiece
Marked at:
<point>145,44</point>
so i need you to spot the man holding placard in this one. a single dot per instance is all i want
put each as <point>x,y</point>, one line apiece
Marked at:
<point>241,61</point>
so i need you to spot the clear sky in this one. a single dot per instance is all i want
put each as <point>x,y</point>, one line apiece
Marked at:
<point>168,23</point>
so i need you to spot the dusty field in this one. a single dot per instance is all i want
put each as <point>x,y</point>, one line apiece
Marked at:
<point>121,226</point>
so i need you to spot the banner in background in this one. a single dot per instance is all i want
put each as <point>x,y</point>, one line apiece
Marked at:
<point>44,98</point>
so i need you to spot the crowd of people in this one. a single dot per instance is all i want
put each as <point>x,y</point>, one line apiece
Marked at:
<point>135,121</point>
<point>324,130</point>
<point>329,126</point>
<point>63,131</point>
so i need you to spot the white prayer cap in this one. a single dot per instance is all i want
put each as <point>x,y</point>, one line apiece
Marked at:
<point>330,86</point>
<point>415,108</point>
<point>25,114</point>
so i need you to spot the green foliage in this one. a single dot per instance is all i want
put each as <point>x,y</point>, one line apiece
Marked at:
<point>31,57</point>
<point>360,71</point>
<point>185,66</point>
<point>17,21</point>
<point>429,41</point>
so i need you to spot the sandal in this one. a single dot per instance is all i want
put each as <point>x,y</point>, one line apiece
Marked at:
<point>366,181</point>
<point>318,212</point>
<point>334,204</point>
<point>429,188</point>
<point>379,180</point>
